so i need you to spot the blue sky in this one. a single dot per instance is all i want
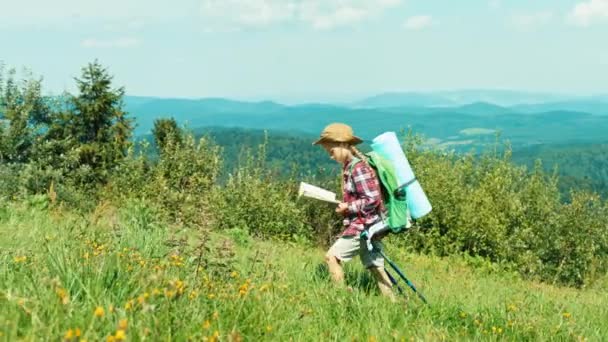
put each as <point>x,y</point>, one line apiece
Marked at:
<point>295,50</point>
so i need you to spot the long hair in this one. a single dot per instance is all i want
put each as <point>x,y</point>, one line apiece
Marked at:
<point>358,154</point>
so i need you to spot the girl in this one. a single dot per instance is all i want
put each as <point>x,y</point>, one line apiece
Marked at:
<point>361,207</point>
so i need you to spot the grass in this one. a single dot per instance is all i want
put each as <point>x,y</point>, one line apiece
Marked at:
<point>124,275</point>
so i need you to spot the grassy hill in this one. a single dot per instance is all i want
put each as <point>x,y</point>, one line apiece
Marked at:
<point>122,273</point>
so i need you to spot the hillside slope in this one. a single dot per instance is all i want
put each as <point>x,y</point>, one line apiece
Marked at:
<point>121,273</point>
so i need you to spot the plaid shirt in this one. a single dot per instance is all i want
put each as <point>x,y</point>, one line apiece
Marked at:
<point>363,195</point>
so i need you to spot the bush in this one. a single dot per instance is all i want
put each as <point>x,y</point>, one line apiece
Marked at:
<point>254,200</point>
<point>489,207</point>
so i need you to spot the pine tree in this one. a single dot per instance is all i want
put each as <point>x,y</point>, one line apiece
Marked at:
<point>98,127</point>
<point>23,113</point>
<point>165,131</point>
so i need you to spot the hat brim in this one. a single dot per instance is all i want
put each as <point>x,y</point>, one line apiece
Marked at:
<point>353,141</point>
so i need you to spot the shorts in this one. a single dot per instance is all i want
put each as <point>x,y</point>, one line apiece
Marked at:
<point>346,247</point>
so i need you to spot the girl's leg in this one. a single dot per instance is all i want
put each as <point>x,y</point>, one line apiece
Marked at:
<point>335,269</point>
<point>384,282</point>
<point>343,250</point>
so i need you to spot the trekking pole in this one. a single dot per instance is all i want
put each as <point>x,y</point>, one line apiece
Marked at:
<point>394,281</point>
<point>409,283</point>
<point>371,247</point>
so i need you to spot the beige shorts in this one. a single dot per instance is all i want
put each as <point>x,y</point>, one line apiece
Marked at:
<point>345,248</point>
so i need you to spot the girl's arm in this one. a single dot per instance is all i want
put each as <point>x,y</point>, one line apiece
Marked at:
<point>368,190</point>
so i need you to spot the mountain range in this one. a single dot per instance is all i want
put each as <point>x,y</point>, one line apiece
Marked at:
<point>447,119</point>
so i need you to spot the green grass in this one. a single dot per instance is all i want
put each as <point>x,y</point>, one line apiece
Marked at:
<point>172,283</point>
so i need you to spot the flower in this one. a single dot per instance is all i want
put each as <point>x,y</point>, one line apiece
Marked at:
<point>20,259</point>
<point>120,335</point>
<point>99,312</point>
<point>69,334</point>
<point>63,295</point>
<point>123,324</point>
<point>567,315</point>
<point>206,324</point>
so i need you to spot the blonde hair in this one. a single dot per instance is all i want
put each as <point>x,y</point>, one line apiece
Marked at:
<point>355,151</point>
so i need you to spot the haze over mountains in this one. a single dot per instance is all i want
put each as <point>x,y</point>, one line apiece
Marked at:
<point>463,118</point>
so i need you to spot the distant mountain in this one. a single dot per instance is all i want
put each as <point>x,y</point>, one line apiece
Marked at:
<point>388,100</point>
<point>594,105</point>
<point>501,97</point>
<point>458,97</point>
<point>447,126</point>
<point>482,108</point>
<point>190,111</point>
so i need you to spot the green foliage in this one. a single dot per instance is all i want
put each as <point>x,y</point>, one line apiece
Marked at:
<point>165,131</point>
<point>180,181</point>
<point>58,269</point>
<point>256,201</point>
<point>286,153</point>
<point>23,111</point>
<point>580,166</point>
<point>94,128</point>
<point>491,208</point>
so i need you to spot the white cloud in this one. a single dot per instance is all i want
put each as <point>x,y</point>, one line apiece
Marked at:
<point>37,13</point>
<point>530,21</point>
<point>584,13</point>
<point>318,14</point>
<point>122,42</point>
<point>418,22</point>
<point>340,17</point>
<point>495,4</point>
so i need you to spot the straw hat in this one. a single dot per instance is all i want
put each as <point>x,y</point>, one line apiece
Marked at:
<point>338,132</point>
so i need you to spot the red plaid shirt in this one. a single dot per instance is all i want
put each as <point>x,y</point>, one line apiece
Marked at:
<point>363,195</point>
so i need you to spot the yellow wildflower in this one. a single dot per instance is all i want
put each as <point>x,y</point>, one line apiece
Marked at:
<point>120,335</point>
<point>123,324</point>
<point>99,312</point>
<point>69,334</point>
<point>129,305</point>
<point>169,294</point>
<point>19,259</point>
<point>234,274</point>
<point>211,296</point>
<point>216,315</point>
<point>512,308</point>
<point>63,295</point>
<point>110,339</point>
<point>268,328</point>
<point>206,324</point>
<point>567,315</point>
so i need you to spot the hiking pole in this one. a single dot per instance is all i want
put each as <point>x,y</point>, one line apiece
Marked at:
<point>372,247</point>
<point>409,283</point>
<point>393,281</point>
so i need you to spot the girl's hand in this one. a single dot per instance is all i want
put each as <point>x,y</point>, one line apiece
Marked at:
<point>342,208</point>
